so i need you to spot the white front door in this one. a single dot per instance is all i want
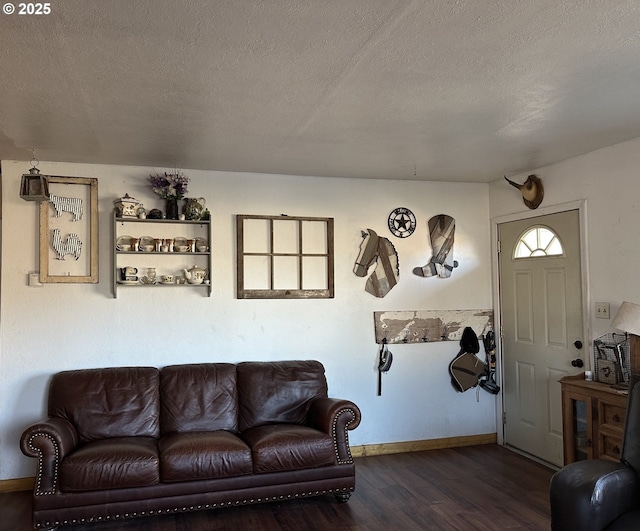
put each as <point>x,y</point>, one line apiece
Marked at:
<point>542,334</point>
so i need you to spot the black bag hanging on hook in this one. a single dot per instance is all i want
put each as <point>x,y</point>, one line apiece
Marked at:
<point>384,363</point>
<point>466,368</point>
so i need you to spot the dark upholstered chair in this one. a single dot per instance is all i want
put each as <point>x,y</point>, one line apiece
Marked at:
<point>596,494</point>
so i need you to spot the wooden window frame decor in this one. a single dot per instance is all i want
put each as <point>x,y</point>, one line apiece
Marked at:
<point>281,250</point>
<point>72,214</point>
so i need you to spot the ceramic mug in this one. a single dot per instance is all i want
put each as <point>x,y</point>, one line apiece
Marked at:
<point>128,273</point>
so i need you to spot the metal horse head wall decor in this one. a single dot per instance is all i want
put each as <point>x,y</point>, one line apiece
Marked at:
<point>377,249</point>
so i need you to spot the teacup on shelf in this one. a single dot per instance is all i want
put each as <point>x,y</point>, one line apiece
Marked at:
<point>202,248</point>
<point>124,247</point>
<point>147,248</point>
<point>180,248</point>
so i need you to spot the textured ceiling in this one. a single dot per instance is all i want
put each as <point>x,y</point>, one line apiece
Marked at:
<point>403,89</point>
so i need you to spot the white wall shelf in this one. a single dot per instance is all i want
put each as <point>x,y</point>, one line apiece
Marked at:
<point>165,262</point>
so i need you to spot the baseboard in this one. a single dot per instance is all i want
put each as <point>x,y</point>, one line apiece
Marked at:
<point>366,450</point>
<point>15,485</point>
<point>418,446</point>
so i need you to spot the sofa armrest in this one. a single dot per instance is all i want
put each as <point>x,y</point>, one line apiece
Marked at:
<point>589,495</point>
<point>335,416</point>
<point>49,441</point>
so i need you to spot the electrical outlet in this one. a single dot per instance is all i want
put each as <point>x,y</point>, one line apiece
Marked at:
<point>602,310</point>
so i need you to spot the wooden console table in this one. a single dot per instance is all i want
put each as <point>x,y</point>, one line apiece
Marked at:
<point>592,419</point>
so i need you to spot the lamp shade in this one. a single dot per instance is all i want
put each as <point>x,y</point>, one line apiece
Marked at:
<point>628,318</point>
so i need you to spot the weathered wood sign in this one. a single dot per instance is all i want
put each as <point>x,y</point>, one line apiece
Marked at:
<point>424,326</point>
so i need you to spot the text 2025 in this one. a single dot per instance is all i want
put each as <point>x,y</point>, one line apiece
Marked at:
<point>34,8</point>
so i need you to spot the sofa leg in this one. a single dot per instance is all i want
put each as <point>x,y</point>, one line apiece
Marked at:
<point>343,497</point>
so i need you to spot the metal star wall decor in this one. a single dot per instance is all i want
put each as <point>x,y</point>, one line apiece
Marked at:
<point>402,222</point>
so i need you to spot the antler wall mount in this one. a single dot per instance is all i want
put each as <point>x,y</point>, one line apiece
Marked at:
<point>532,191</point>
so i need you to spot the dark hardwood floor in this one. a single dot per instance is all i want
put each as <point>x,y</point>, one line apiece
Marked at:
<point>477,487</point>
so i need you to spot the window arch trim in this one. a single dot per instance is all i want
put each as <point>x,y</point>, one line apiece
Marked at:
<point>538,241</point>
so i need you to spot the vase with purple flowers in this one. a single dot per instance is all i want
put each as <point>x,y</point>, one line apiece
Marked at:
<point>171,187</point>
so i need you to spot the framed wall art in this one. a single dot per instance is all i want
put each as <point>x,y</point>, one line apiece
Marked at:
<point>284,257</point>
<point>69,231</point>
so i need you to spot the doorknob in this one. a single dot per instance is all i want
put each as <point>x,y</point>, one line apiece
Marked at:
<point>577,344</point>
<point>577,362</point>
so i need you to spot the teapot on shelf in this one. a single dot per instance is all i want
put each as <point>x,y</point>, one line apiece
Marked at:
<point>193,208</point>
<point>195,275</point>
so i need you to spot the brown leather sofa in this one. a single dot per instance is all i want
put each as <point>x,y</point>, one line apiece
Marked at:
<point>128,442</point>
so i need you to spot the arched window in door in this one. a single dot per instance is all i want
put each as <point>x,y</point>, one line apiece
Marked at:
<point>538,241</point>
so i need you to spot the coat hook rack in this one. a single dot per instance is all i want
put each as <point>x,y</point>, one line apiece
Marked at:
<point>426,326</point>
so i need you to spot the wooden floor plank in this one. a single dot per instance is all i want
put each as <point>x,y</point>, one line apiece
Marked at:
<point>484,488</point>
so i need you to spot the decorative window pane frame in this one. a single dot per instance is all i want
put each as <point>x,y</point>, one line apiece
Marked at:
<point>277,248</point>
<point>86,269</point>
<point>532,249</point>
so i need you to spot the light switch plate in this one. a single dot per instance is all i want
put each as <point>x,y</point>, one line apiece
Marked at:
<point>34,280</point>
<point>602,310</point>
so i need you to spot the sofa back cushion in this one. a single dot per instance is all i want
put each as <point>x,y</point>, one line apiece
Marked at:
<point>107,403</point>
<point>278,392</point>
<point>199,397</point>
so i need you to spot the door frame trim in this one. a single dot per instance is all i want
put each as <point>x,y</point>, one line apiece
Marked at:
<point>579,205</point>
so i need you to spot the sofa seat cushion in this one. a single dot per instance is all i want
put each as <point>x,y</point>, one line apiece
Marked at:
<point>116,463</point>
<point>203,455</point>
<point>279,447</point>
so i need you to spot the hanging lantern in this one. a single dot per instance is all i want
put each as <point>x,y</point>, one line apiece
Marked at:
<point>34,187</point>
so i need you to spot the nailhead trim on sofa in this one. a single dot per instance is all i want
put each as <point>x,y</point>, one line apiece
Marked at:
<point>346,436</point>
<point>38,490</point>
<point>195,507</point>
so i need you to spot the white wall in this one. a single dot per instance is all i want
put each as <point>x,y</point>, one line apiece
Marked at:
<point>608,179</point>
<point>61,326</point>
